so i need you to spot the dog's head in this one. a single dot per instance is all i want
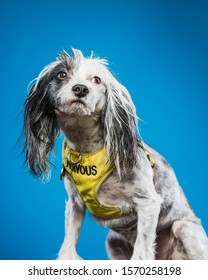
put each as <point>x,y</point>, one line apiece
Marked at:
<point>79,86</point>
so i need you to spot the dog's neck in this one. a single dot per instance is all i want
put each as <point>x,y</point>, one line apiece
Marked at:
<point>83,134</point>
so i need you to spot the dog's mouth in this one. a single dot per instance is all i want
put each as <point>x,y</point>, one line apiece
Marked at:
<point>74,107</point>
<point>72,103</point>
<point>77,101</point>
<point>77,104</point>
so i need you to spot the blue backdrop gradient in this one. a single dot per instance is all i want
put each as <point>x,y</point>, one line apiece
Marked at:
<point>157,49</point>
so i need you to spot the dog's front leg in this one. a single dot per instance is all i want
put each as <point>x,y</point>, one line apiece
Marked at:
<point>74,215</point>
<point>148,208</point>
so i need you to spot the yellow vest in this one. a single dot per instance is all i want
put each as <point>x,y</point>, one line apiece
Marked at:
<point>150,158</point>
<point>87,172</point>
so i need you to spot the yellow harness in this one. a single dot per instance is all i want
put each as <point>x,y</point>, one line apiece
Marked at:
<point>87,172</point>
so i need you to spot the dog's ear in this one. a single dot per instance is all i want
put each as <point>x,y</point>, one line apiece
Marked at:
<point>120,123</point>
<point>40,126</point>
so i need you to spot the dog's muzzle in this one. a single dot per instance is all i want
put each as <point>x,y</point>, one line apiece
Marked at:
<point>80,90</point>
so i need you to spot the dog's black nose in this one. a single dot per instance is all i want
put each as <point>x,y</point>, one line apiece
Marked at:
<point>80,90</point>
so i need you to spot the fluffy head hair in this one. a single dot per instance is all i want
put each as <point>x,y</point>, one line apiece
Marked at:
<point>41,128</point>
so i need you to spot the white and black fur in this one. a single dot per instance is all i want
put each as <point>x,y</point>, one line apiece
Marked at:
<point>80,97</point>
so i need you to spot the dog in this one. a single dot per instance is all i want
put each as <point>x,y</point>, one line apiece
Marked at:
<point>126,185</point>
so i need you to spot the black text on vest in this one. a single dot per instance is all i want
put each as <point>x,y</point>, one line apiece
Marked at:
<point>82,169</point>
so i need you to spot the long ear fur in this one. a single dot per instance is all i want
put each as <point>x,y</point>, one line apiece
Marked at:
<point>40,126</point>
<point>120,124</point>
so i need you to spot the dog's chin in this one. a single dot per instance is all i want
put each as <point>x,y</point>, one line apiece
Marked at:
<point>75,108</point>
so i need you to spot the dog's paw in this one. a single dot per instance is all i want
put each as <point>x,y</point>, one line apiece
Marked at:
<point>137,257</point>
<point>144,256</point>
<point>68,256</point>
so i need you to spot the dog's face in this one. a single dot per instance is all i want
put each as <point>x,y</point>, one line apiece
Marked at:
<point>81,89</point>
<point>78,86</point>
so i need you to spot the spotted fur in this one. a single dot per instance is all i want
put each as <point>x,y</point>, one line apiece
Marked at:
<point>160,223</point>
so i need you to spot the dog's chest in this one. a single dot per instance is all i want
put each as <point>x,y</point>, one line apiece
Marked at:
<point>114,192</point>
<point>91,175</point>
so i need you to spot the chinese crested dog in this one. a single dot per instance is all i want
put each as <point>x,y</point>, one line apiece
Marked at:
<point>126,185</point>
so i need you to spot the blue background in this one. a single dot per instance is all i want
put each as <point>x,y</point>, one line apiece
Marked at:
<point>157,49</point>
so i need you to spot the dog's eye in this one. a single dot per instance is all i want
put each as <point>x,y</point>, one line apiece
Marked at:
<point>62,75</point>
<point>96,80</point>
